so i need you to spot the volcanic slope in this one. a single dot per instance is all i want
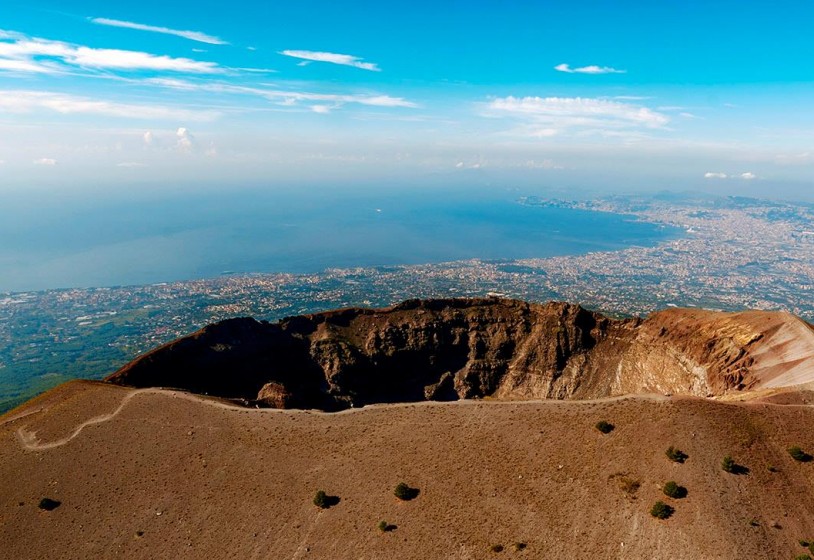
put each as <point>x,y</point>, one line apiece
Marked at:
<point>470,348</point>
<point>154,474</point>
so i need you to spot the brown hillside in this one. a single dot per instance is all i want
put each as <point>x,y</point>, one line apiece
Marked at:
<point>468,348</point>
<point>158,474</point>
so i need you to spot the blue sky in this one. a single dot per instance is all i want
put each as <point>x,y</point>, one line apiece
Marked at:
<point>606,95</point>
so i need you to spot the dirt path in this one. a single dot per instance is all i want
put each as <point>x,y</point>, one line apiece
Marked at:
<point>28,438</point>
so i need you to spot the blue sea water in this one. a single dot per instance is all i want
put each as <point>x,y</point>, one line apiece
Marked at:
<point>112,242</point>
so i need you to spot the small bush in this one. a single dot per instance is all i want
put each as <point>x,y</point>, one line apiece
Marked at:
<point>629,485</point>
<point>604,427</point>
<point>518,546</point>
<point>802,557</point>
<point>676,455</point>
<point>496,548</point>
<point>804,543</point>
<point>405,493</point>
<point>673,490</point>
<point>324,501</point>
<point>729,465</point>
<point>47,504</point>
<point>799,455</point>
<point>385,527</point>
<point>660,510</point>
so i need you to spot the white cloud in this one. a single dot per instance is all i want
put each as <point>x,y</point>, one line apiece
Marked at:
<point>26,66</point>
<point>592,69</point>
<point>130,164</point>
<point>320,109</point>
<point>23,54</point>
<point>23,101</point>
<point>333,58</point>
<point>45,161</point>
<point>134,60</point>
<point>148,138</point>
<point>548,116</point>
<point>746,176</point>
<point>284,97</point>
<point>185,140</point>
<point>191,35</point>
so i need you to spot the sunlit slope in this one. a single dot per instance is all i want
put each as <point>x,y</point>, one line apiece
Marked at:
<point>160,474</point>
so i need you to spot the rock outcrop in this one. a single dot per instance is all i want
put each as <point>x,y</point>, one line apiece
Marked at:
<point>452,349</point>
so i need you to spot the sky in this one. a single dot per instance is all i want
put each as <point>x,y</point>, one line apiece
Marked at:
<point>606,95</point>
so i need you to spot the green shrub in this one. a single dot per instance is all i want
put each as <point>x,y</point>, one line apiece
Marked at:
<point>802,557</point>
<point>604,427</point>
<point>404,492</point>
<point>676,455</point>
<point>324,501</point>
<point>496,548</point>
<point>729,465</point>
<point>518,546</point>
<point>799,455</point>
<point>673,490</point>
<point>321,499</point>
<point>48,504</point>
<point>382,525</point>
<point>660,510</point>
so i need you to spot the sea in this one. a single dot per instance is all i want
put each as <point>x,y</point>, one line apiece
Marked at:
<point>106,240</point>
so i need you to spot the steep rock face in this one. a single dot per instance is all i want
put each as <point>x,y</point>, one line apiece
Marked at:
<point>469,348</point>
<point>437,349</point>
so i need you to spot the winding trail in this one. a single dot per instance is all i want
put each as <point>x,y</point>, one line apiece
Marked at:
<point>28,438</point>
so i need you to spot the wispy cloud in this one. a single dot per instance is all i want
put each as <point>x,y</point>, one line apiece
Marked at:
<point>17,101</point>
<point>191,35</point>
<point>49,162</point>
<point>592,69</point>
<point>323,102</point>
<point>23,54</point>
<point>333,58</point>
<point>746,176</point>
<point>548,116</point>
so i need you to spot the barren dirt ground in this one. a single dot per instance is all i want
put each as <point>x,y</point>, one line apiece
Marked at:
<point>162,474</point>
